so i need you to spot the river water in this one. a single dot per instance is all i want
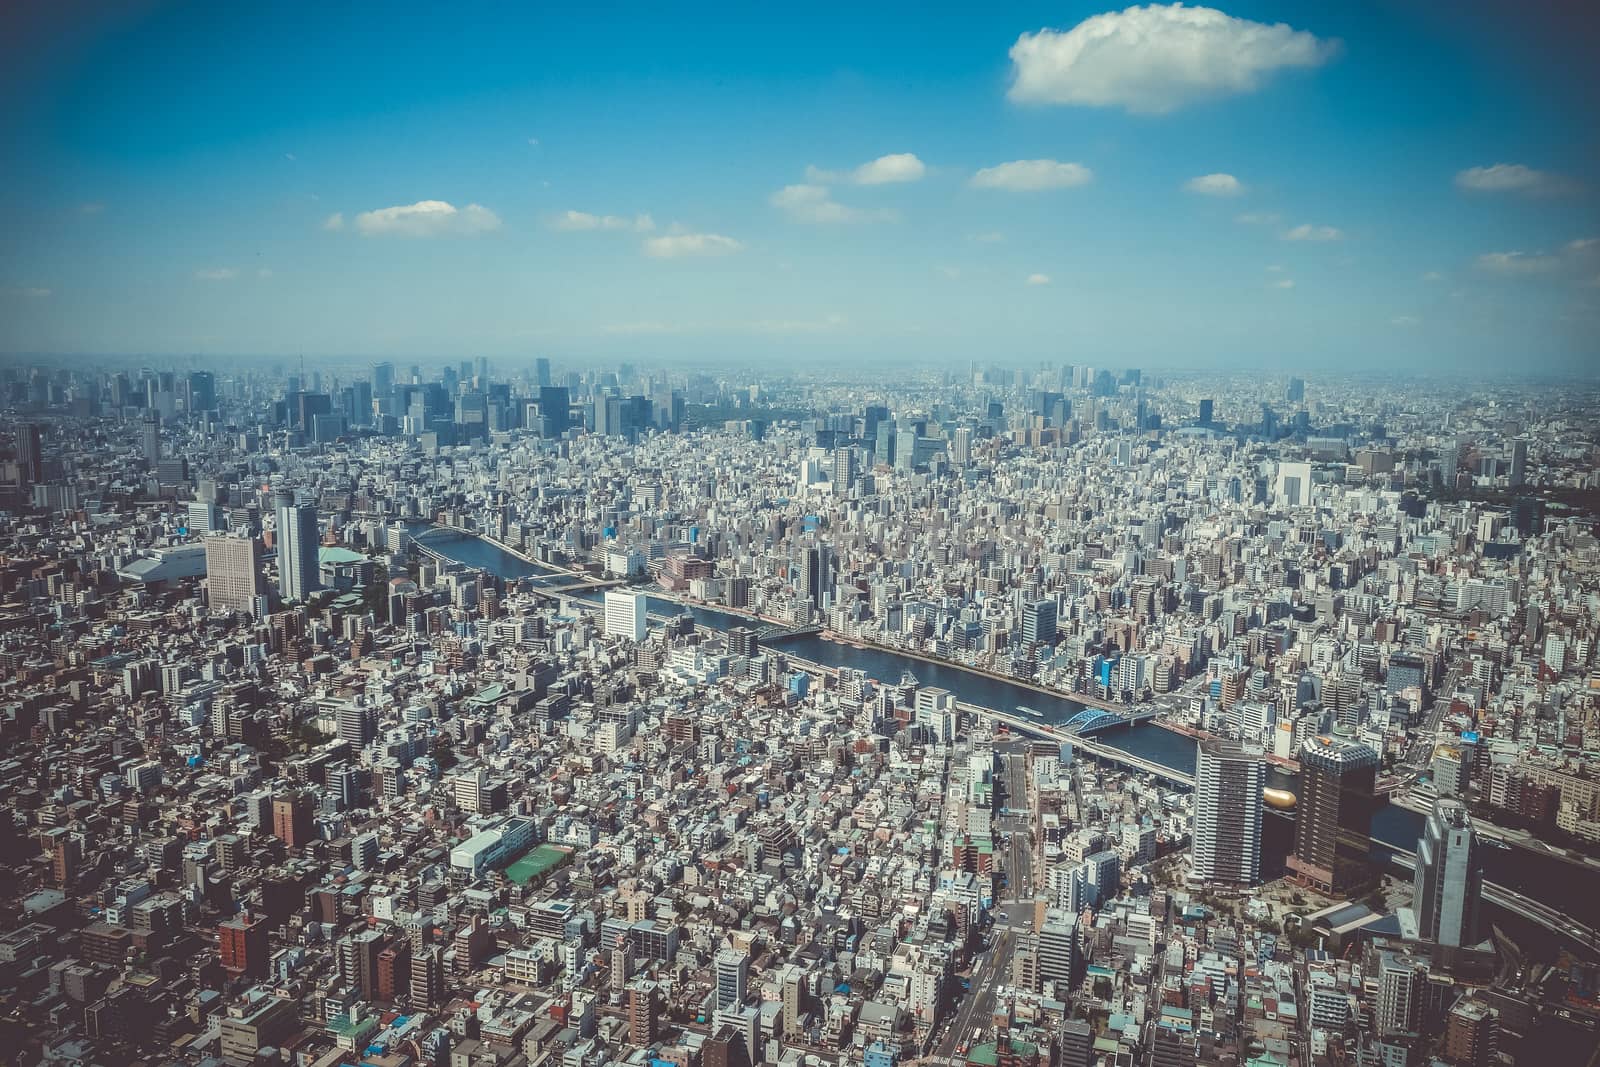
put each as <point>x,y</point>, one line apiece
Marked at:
<point>1546,879</point>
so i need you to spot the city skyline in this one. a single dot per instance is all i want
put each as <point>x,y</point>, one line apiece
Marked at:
<point>1365,187</point>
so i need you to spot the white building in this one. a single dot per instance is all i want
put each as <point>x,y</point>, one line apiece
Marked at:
<point>627,614</point>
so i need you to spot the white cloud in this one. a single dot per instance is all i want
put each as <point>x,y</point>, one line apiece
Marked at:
<point>582,220</point>
<point>427,218</point>
<point>1257,218</point>
<point>1215,185</point>
<point>1405,321</point>
<point>1432,276</point>
<point>216,274</point>
<point>534,141</point>
<point>885,170</point>
<point>991,237</point>
<point>1038,279</point>
<point>264,272</point>
<point>1511,178</point>
<point>1030,175</point>
<point>950,272</point>
<point>28,292</point>
<point>679,245</point>
<point>1157,58</point>
<point>1275,268</point>
<point>290,156</point>
<point>1518,262</point>
<point>334,221</point>
<point>1281,283</point>
<point>815,203</point>
<point>1582,247</point>
<point>1307,232</point>
<point>94,207</point>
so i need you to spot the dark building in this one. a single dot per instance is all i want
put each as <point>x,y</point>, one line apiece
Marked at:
<point>1333,830</point>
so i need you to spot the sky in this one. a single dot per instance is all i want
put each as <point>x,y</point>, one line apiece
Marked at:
<point>1291,186</point>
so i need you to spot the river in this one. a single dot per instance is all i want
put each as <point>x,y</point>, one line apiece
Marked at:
<point>1543,878</point>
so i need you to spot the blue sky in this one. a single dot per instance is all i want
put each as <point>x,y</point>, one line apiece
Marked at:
<point>1380,186</point>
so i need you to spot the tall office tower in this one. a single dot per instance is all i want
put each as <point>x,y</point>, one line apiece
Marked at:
<point>1449,460</point>
<point>555,404</point>
<point>202,391</point>
<point>844,469</point>
<point>733,975</point>
<point>383,381</point>
<point>884,445</point>
<point>1206,408</point>
<point>233,572</point>
<point>1227,815</point>
<point>627,614</point>
<point>296,539</point>
<point>1039,622</point>
<point>961,446</point>
<point>816,574</point>
<point>30,453</point>
<point>1519,461</point>
<point>541,373</point>
<point>1333,831</point>
<point>1296,393</point>
<point>150,429</point>
<point>1449,877</point>
<point>905,450</point>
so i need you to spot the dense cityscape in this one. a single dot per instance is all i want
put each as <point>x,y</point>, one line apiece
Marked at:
<point>836,535</point>
<point>494,712</point>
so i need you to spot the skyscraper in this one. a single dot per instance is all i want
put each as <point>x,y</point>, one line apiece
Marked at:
<point>1519,461</point>
<point>1449,877</point>
<point>233,572</point>
<point>30,453</point>
<point>1333,830</point>
<point>150,430</point>
<point>202,391</point>
<point>296,540</point>
<point>1227,815</point>
<point>1206,408</point>
<point>627,614</point>
<point>1039,622</point>
<point>541,372</point>
<point>816,574</point>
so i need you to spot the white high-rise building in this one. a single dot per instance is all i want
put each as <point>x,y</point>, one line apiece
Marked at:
<point>627,614</point>
<point>1227,815</point>
<point>296,540</point>
<point>1449,877</point>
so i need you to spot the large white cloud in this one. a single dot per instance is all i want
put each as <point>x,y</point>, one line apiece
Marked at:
<point>1154,59</point>
<point>1030,175</point>
<point>815,203</point>
<point>1510,178</point>
<point>216,274</point>
<point>680,245</point>
<point>427,218</point>
<point>1215,185</point>
<point>898,167</point>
